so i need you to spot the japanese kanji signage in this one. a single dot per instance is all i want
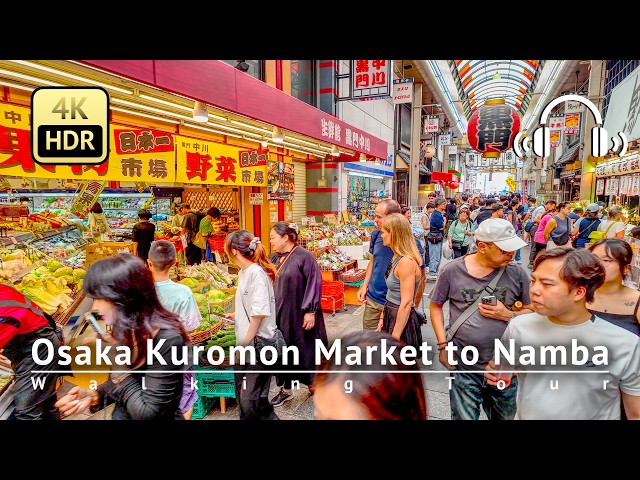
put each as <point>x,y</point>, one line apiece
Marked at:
<point>571,123</point>
<point>370,79</point>
<point>199,161</point>
<point>135,155</point>
<point>86,196</point>
<point>403,90</point>
<point>431,123</point>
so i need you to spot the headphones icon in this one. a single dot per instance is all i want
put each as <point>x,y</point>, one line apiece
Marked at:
<point>599,137</point>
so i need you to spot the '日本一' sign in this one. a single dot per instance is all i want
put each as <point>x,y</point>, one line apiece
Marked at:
<point>199,161</point>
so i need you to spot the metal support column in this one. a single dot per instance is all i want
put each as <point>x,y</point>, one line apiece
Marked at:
<point>416,125</point>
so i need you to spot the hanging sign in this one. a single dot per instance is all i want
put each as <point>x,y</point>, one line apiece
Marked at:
<point>571,123</point>
<point>431,123</point>
<point>600,186</point>
<point>86,196</point>
<point>403,90</point>
<point>370,79</point>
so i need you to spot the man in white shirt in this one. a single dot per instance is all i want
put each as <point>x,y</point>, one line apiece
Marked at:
<point>176,298</point>
<point>605,356</point>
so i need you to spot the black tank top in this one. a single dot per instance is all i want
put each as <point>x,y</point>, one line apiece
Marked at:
<point>626,321</point>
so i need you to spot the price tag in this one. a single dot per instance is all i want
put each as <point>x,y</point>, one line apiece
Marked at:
<point>13,239</point>
<point>218,257</point>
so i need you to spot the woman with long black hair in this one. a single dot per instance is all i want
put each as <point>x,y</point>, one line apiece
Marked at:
<point>124,294</point>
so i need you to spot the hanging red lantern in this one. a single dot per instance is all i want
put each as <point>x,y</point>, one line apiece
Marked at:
<point>492,128</point>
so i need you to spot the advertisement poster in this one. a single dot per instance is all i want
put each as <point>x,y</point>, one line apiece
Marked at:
<point>280,184</point>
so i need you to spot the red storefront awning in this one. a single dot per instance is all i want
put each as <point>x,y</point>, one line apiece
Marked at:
<point>223,86</point>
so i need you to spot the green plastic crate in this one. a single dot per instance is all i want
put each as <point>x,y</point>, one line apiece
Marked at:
<point>223,375</point>
<point>202,407</point>
<point>217,389</point>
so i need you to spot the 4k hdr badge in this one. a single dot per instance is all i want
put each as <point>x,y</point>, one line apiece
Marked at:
<point>70,125</point>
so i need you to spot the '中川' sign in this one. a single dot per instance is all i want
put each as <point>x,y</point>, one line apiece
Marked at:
<point>370,79</point>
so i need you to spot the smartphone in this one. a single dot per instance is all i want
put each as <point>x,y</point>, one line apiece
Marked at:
<point>489,300</point>
<point>93,321</point>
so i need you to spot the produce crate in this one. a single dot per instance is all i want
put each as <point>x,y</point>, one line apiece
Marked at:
<point>203,335</point>
<point>100,250</point>
<point>227,305</point>
<point>353,275</point>
<point>202,407</point>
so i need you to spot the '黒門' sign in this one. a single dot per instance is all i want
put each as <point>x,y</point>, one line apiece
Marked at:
<point>199,161</point>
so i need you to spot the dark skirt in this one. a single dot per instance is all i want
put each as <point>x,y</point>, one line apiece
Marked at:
<point>412,335</point>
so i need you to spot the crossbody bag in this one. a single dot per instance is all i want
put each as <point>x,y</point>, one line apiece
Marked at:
<point>471,308</point>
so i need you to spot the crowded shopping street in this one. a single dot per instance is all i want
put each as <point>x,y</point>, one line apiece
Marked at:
<point>319,240</point>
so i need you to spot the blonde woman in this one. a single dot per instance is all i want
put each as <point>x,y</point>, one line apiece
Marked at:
<point>405,282</point>
<point>615,223</point>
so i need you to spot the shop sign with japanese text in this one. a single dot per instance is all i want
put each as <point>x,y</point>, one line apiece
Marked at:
<point>370,79</point>
<point>86,196</point>
<point>333,132</point>
<point>135,155</point>
<point>403,90</point>
<point>620,166</point>
<point>199,161</point>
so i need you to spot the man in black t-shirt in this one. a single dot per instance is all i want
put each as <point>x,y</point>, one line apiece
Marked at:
<point>143,234</point>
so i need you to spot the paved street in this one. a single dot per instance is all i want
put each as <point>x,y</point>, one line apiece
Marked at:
<point>342,323</point>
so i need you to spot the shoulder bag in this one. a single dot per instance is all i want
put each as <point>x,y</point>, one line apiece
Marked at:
<point>451,331</point>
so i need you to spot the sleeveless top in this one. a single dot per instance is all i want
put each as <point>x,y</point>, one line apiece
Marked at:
<point>561,231</point>
<point>393,283</point>
<point>626,321</point>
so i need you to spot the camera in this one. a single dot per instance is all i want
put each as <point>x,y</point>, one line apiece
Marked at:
<point>489,300</point>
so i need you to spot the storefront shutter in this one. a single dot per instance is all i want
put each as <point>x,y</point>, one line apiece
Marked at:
<point>300,191</point>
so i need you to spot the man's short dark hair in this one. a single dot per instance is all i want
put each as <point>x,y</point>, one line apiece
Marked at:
<point>431,205</point>
<point>551,202</point>
<point>578,210</point>
<point>489,201</point>
<point>144,213</point>
<point>391,206</point>
<point>580,268</point>
<point>162,254</point>
<point>531,199</point>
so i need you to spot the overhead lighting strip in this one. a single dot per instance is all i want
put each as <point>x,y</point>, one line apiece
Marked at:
<point>15,85</point>
<point>72,76</point>
<point>35,80</point>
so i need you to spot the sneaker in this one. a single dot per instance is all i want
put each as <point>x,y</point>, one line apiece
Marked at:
<point>280,398</point>
<point>432,278</point>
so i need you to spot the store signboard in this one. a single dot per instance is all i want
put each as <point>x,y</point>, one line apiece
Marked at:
<point>619,166</point>
<point>151,165</point>
<point>403,90</point>
<point>200,161</point>
<point>370,79</point>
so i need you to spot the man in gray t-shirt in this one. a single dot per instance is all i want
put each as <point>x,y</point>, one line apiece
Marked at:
<point>461,282</point>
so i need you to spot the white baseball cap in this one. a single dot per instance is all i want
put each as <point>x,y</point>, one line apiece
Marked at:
<point>500,232</point>
<point>593,207</point>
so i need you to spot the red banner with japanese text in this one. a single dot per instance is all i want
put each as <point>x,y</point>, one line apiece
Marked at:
<point>199,161</point>
<point>137,155</point>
